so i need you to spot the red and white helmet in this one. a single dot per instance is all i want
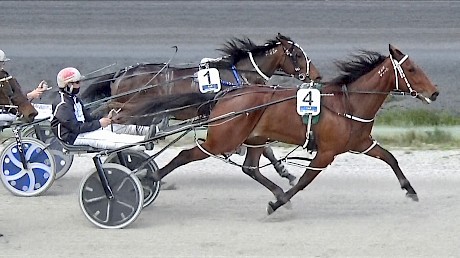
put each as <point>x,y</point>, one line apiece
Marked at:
<point>66,75</point>
<point>3,56</point>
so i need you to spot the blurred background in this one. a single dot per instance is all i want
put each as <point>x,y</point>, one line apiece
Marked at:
<point>42,37</point>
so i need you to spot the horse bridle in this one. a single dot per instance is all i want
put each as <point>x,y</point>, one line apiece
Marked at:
<point>289,53</point>
<point>399,71</point>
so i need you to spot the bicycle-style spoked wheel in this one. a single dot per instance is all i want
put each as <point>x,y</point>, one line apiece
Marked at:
<point>133,160</point>
<point>123,208</point>
<point>38,174</point>
<point>62,159</point>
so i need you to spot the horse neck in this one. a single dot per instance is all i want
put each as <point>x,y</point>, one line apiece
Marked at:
<point>380,80</point>
<point>18,98</point>
<point>8,85</point>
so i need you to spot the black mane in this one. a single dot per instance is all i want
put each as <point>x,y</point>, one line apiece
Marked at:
<point>236,49</point>
<point>356,66</point>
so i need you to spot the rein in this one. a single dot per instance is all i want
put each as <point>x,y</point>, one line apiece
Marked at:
<point>95,71</point>
<point>134,91</point>
<point>145,87</point>
<point>153,77</point>
<point>166,111</point>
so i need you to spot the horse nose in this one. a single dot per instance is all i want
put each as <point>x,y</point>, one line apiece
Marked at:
<point>434,96</point>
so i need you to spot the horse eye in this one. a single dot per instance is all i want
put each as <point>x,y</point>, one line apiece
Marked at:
<point>411,69</point>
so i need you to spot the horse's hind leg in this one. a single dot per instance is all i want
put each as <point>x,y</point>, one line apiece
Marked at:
<point>184,157</point>
<point>381,153</point>
<point>319,163</point>
<point>251,168</point>
<point>282,171</point>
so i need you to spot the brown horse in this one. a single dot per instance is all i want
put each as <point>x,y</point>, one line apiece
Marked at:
<point>176,87</point>
<point>244,63</point>
<point>11,94</point>
<point>345,123</point>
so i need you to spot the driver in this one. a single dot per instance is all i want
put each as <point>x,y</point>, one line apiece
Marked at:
<point>73,124</point>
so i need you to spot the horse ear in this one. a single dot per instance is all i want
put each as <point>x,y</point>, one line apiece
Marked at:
<point>281,38</point>
<point>394,51</point>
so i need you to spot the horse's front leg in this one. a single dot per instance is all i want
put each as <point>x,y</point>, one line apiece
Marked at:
<point>319,163</point>
<point>380,153</point>
<point>280,169</point>
<point>251,168</point>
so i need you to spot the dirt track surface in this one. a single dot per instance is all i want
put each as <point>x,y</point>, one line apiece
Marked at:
<point>354,208</point>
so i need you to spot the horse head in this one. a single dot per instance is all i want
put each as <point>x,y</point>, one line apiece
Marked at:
<point>257,63</point>
<point>296,62</point>
<point>410,78</point>
<point>11,94</point>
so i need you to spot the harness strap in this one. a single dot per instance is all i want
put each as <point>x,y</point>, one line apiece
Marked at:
<point>257,67</point>
<point>374,142</point>
<point>307,134</point>
<point>352,117</point>
<point>6,79</point>
<point>236,75</point>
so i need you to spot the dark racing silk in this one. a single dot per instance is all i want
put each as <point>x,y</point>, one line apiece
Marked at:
<point>70,118</point>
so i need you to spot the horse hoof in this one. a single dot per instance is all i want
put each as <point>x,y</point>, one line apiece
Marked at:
<point>414,197</point>
<point>288,205</point>
<point>270,208</point>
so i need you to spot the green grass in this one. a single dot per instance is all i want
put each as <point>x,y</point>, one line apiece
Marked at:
<point>431,139</point>
<point>417,117</point>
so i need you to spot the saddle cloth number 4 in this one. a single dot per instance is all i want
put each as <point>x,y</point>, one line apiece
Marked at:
<point>209,80</point>
<point>308,102</point>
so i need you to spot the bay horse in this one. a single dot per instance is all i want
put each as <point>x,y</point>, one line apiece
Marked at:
<point>244,63</point>
<point>345,122</point>
<point>11,94</point>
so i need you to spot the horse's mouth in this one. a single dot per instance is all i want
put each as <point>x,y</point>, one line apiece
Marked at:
<point>426,99</point>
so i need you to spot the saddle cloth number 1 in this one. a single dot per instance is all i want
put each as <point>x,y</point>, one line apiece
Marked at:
<point>209,80</point>
<point>308,102</point>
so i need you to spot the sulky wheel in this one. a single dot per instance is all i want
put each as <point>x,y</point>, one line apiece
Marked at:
<point>62,159</point>
<point>37,177</point>
<point>123,208</point>
<point>133,160</point>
